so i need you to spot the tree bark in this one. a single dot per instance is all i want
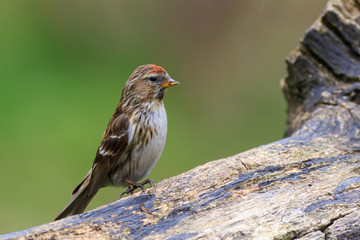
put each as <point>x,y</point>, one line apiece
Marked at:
<point>305,186</point>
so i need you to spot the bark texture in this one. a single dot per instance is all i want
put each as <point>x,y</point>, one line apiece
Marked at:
<point>305,186</point>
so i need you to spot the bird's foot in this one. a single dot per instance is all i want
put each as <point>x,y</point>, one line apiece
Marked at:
<point>133,186</point>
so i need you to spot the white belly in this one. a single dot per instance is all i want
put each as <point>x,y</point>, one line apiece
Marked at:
<point>143,159</point>
<point>149,156</point>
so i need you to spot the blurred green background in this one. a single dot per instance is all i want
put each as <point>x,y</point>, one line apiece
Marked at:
<point>63,65</point>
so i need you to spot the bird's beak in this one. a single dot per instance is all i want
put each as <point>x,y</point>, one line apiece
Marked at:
<point>168,83</point>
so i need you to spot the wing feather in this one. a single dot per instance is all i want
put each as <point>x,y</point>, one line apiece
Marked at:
<point>113,144</point>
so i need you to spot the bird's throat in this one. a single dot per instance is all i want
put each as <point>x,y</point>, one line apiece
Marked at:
<point>160,94</point>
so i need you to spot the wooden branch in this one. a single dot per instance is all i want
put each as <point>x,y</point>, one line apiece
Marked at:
<point>306,186</point>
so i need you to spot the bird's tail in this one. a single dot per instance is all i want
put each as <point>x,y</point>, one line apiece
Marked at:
<point>81,197</point>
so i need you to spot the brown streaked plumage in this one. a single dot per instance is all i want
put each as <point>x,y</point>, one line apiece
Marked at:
<point>133,141</point>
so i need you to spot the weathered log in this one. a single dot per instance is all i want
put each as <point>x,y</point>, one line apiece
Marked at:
<point>306,186</point>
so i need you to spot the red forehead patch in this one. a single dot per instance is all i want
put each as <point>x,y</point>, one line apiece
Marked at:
<point>156,69</point>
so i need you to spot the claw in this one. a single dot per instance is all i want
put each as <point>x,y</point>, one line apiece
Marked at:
<point>133,186</point>
<point>151,182</point>
<point>126,192</point>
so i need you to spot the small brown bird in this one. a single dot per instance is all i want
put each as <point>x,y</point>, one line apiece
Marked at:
<point>133,141</point>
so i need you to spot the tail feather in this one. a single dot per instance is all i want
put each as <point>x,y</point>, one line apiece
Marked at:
<point>80,200</point>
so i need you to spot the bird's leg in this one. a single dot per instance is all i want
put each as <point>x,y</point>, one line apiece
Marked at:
<point>133,186</point>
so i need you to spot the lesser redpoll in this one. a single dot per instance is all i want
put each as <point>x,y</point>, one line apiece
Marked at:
<point>133,141</point>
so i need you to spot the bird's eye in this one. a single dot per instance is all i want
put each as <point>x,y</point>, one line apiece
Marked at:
<point>152,78</point>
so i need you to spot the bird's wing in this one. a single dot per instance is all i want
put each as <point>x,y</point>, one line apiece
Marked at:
<point>112,145</point>
<point>115,138</point>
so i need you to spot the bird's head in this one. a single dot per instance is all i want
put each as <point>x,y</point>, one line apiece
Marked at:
<point>147,83</point>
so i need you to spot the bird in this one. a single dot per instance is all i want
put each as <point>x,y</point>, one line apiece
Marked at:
<point>133,140</point>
